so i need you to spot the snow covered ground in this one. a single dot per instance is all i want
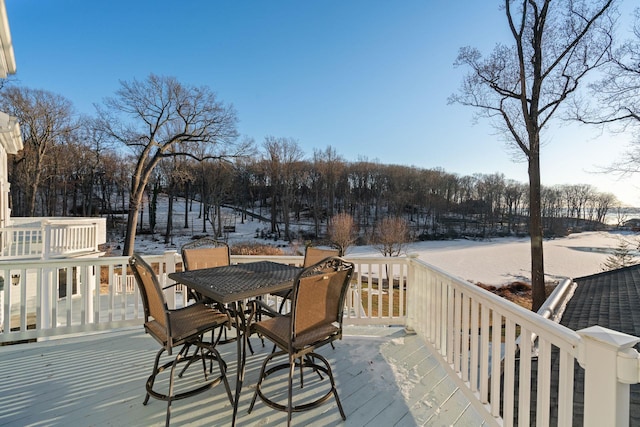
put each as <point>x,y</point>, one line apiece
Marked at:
<point>493,262</point>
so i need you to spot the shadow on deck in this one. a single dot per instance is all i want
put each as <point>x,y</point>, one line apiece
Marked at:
<point>384,376</point>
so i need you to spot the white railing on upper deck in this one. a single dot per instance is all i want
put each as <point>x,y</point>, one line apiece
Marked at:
<point>506,357</point>
<point>47,238</point>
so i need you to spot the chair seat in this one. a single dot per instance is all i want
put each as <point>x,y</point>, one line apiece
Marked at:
<point>187,323</point>
<point>278,329</point>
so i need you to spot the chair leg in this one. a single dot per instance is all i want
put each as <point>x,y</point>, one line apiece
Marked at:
<point>309,358</point>
<point>301,374</point>
<point>250,346</point>
<point>223,372</point>
<point>152,377</point>
<point>170,395</point>
<point>185,350</point>
<point>204,364</point>
<point>292,367</point>
<point>260,378</point>
<point>334,390</point>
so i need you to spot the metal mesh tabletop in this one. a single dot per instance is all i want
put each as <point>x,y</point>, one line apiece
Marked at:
<point>237,282</point>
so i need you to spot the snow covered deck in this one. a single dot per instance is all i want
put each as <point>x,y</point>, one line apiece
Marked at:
<point>384,375</point>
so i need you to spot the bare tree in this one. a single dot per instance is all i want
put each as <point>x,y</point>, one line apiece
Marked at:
<point>520,87</point>
<point>617,99</point>
<point>281,158</point>
<point>156,114</point>
<point>390,235</point>
<point>342,232</point>
<point>324,174</point>
<point>45,119</point>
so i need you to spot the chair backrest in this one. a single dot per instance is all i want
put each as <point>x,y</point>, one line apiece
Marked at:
<point>155,305</point>
<point>315,255</point>
<point>318,295</point>
<point>205,253</point>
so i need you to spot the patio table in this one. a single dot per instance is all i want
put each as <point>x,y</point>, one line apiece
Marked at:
<point>237,286</point>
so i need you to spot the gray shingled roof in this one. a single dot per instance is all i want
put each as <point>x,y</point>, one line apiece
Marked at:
<point>610,299</point>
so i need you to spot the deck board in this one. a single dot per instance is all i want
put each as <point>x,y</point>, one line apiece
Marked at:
<point>384,377</point>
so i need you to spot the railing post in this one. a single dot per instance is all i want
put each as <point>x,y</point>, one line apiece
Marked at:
<point>46,240</point>
<point>606,398</point>
<point>411,301</point>
<point>94,236</point>
<point>91,276</point>
<point>46,296</point>
<point>170,267</point>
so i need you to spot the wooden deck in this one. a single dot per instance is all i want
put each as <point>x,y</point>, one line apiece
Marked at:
<point>385,377</point>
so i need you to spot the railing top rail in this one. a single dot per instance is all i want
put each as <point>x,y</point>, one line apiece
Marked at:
<point>22,221</point>
<point>31,227</point>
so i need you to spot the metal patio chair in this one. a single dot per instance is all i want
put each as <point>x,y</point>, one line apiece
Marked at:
<point>312,256</point>
<point>317,304</point>
<point>183,327</point>
<point>204,253</point>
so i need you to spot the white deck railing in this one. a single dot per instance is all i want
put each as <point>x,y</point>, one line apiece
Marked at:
<point>47,238</point>
<point>496,351</point>
<point>54,297</point>
<point>505,357</point>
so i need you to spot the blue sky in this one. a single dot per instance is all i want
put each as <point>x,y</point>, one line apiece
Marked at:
<point>369,78</point>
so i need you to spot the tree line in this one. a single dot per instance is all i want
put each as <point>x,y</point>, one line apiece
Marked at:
<point>71,167</point>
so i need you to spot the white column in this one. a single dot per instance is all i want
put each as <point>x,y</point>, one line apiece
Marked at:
<point>606,397</point>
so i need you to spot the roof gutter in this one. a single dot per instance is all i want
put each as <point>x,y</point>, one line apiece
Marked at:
<point>7,57</point>
<point>554,306</point>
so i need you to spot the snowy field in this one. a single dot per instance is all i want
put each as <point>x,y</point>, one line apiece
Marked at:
<point>493,262</point>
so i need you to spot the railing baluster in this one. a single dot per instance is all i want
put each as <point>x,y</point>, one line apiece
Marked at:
<point>524,376</point>
<point>496,357</point>
<point>543,390</point>
<point>508,375</point>
<point>457,331</point>
<point>484,353</point>
<point>565,389</point>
